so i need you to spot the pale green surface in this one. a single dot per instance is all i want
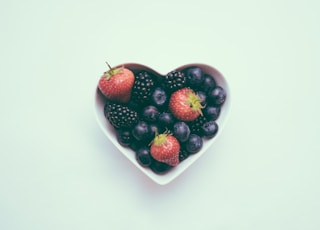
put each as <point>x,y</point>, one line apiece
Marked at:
<point>57,170</point>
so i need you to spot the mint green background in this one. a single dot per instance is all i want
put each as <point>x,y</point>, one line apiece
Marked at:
<point>58,171</point>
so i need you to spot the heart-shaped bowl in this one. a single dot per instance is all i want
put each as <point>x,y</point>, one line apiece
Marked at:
<point>162,179</point>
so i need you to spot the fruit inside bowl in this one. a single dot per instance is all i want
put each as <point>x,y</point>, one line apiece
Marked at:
<point>162,123</point>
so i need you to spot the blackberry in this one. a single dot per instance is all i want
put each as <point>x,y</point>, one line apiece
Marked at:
<point>196,125</point>
<point>183,154</point>
<point>142,87</point>
<point>124,137</point>
<point>174,80</point>
<point>120,116</point>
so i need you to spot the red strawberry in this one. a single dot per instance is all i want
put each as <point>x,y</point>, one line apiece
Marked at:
<point>116,84</point>
<point>185,105</point>
<point>165,148</point>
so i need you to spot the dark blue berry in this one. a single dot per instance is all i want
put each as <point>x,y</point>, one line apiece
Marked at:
<point>209,129</point>
<point>150,113</point>
<point>142,132</point>
<point>216,96</point>
<point>143,156</point>
<point>159,98</point>
<point>208,83</point>
<point>135,145</point>
<point>181,131</point>
<point>194,77</point>
<point>156,129</point>
<point>166,120</point>
<point>211,112</point>
<point>202,95</point>
<point>159,167</point>
<point>193,144</point>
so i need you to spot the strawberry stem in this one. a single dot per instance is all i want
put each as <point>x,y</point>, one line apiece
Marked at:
<point>160,139</point>
<point>195,102</point>
<point>112,71</point>
<point>108,65</point>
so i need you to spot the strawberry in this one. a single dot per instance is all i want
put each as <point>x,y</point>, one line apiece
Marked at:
<point>165,148</point>
<point>116,84</point>
<point>185,104</point>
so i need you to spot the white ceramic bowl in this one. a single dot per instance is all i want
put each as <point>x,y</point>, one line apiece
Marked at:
<point>175,171</point>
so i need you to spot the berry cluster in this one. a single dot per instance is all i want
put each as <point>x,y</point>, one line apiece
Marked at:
<point>166,118</point>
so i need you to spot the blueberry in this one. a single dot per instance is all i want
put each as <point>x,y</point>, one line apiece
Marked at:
<point>142,131</point>
<point>202,95</point>
<point>211,112</point>
<point>150,113</point>
<point>143,156</point>
<point>159,167</point>
<point>193,144</point>
<point>156,129</point>
<point>209,129</point>
<point>159,97</point>
<point>166,120</point>
<point>208,83</point>
<point>124,137</point>
<point>194,77</point>
<point>135,145</point>
<point>216,96</point>
<point>181,131</point>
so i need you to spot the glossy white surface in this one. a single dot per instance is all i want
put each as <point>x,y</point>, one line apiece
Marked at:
<point>59,171</point>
